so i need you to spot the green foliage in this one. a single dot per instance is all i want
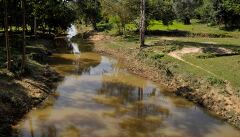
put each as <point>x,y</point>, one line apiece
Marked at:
<point>206,12</point>
<point>114,12</point>
<point>215,81</point>
<point>185,9</point>
<point>161,10</point>
<point>51,14</point>
<point>226,12</point>
<point>90,11</point>
<point>206,55</point>
<point>157,56</point>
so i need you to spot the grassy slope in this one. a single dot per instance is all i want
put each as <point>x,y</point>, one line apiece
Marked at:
<point>224,67</point>
<point>227,67</point>
<point>218,41</point>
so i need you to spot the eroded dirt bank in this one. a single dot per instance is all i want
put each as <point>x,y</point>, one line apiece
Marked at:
<point>18,95</point>
<point>221,101</point>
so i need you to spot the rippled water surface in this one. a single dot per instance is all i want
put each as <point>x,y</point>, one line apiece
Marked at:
<point>99,98</point>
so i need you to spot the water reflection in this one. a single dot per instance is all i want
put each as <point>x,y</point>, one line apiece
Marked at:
<point>100,99</point>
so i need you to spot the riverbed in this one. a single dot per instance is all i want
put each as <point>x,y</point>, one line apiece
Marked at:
<point>100,98</point>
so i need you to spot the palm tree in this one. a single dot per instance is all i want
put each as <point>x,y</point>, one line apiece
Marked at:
<point>142,23</point>
<point>23,35</point>
<point>6,35</point>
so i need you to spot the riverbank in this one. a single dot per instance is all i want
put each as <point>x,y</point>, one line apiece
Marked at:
<point>217,96</point>
<point>20,94</point>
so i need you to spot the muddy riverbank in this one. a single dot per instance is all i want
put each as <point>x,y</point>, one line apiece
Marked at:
<point>221,101</point>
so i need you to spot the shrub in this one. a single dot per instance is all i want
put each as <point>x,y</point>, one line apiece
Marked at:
<point>206,56</point>
<point>157,56</point>
<point>215,81</point>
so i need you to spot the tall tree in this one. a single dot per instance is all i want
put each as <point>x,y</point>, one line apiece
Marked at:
<point>6,35</point>
<point>23,35</point>
<point>142,23</point>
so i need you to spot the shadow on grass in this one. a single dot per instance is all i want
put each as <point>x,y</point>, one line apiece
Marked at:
<point>193,44</point>
<point>180,33</point>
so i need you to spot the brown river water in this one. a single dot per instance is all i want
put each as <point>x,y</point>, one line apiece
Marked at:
<point>100,98</point>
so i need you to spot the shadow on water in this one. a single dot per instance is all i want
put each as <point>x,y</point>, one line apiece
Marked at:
<point>99,99</point>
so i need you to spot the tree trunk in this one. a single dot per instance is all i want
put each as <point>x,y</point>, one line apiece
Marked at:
<point>23,35</point>
<point>35,26</point>
<point>142,24</point>
<point>6,36</point>
<point>187,21</point>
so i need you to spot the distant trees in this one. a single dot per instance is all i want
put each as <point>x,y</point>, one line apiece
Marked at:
<point>221,12</point>
<point>90,11</point>
<point>161,10</point>
<point>18,15</point>
<point>227,12</point>
<point>185,9</point>
<point>50,15</point>
<point>121,12</point>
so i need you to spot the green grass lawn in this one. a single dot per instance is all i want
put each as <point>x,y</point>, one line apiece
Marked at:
<point>217,41</point>
<point>232,43</point>
<point>181,67</point>
<point>195,27</point>
<point>227,68</point>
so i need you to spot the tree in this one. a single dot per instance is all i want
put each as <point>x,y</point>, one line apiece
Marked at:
<point>142,23</point>
<point>113,10</point>
<point>23,35</point>
<point>161,10</point>
<point>185,9</point>
<point>227,12</point>
<point>206,12</point>
<point>90,10</point>
<point>6,35</point>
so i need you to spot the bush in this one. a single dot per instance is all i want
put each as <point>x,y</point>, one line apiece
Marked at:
<point>215,81</point>
<point>157,56</point>
<point>206,56</point>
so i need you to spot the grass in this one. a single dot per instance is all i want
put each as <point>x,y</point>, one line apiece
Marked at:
<point>218,41</point>
<point>195,27</point>
<point>227,68</point>
<point>224,68</point>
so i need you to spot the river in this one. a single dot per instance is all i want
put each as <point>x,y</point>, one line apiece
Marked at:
<point>100,98</point>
